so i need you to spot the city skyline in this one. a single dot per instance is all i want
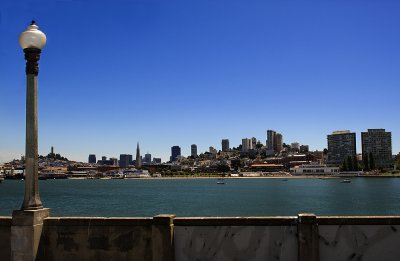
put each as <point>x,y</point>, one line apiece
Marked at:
<point>198,74</point>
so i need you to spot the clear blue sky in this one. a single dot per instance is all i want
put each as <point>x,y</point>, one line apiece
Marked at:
<point>170,73</point>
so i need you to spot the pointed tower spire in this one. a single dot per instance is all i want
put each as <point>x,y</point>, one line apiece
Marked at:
<point>138,159</point>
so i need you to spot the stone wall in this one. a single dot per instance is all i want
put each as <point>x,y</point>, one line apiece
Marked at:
<point>165,238</point>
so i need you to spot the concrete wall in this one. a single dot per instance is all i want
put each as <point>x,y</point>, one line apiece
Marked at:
<point>5,235</point>
<point>164,238</point>
<point>96,239</point>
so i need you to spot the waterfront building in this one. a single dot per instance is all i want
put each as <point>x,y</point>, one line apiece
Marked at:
<point>304,148</point>
<point>225,145</point>
<point>138,163</point>
<point>156,160</point>
<point>246,145</point>
<point>92,158</point>
<point>278,143</point>
<point>193,150</point>
<point>314,169</point>
<point>270,139</point>
<point>378,142</point>
<point>175,152</point>
<point>341,144</point>
<point>110,162</point>
<point>114,161</point>
<point>295,146</point>
<point>125,160</point>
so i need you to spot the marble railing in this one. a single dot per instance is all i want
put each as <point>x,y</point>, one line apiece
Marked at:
<point>166,237</point>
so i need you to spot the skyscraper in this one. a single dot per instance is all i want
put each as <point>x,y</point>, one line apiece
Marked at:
<point>138,164</point>
<point>246,145</point>
<point>175,152</point>
<point>341,144</point>
<point>92,158</point>
<point>225,145</point>
<point>147,158</point>
<point>193,150</point>
<point>378,142</point>
<point>271,139</point>
<point>278,144</point>
<point>124,160</point>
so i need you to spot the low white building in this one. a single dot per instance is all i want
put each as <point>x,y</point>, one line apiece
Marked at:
<point>314,169</point>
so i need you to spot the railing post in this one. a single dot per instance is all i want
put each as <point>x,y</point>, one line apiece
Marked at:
<point>162,238</point>
<point>308,237</point>
<point>26,231</point>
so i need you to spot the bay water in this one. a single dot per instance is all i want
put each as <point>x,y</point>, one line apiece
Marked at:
<point>204,197</point>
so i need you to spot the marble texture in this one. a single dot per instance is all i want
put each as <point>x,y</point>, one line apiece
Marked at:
<point>359,242</point>
<point>250,243</point>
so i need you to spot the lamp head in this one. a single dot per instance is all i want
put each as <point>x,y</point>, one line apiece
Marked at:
<point>32,37</point>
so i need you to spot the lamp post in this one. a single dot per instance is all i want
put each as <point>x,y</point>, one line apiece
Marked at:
<point>32,40</point>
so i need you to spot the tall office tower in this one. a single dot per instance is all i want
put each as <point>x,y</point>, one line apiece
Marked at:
<point>175,152</point>
<point>92,158</point>
<point>341,144</point>
<point>278,144</point>
<point>379,143</point>
<point>253,142</point>
<point>147,158</point>
<point>52,150</point>
<point>193,150</point>
<point>124,160</point>
<point>103,158</point>
<point>270,139</point>
<point>225,145</point>
<point>138,164</point>
<point>246,145</point>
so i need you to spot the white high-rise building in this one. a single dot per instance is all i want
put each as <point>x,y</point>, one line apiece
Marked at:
<point>246,145</point>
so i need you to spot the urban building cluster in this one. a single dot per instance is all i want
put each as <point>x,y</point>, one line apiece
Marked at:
<point>250,156</point>
<point>275,155</point>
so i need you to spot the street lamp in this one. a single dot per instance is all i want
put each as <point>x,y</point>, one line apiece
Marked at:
<point>32,40</point>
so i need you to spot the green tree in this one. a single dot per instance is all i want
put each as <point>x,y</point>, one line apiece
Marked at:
<point>349,163</point>
<point>371,161</point>
<point>365,162</point>
<point>236,163</point>
<point>355,163</point>
<point>223,168</point>
<point>398,161</point>
<point>344,165</point>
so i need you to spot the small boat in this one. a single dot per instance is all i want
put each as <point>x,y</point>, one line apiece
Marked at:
<point>221,182</point>
<point>346,181</point>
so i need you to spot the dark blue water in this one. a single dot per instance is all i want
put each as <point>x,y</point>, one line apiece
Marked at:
<point>203,197</point>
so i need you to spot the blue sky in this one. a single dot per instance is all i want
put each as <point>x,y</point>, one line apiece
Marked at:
<point>170,73</point>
